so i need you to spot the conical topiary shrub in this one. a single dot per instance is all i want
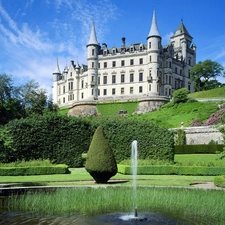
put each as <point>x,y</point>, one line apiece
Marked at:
<point>100,162</point>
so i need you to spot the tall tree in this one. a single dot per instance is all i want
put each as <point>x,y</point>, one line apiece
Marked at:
<point>204,74</point>
<point>10,105</point>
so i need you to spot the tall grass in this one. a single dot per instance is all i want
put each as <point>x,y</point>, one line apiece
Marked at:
<point>197,204</point>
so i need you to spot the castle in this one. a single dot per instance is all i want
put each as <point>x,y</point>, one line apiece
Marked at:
<point>128,72</point>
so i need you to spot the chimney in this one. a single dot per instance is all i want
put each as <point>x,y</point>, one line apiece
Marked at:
<point>123,42</point>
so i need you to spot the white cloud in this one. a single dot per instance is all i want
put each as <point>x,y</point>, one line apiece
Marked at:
<point>166,38</point>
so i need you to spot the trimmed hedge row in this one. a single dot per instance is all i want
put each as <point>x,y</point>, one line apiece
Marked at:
<point>219,181</point>
<point>60,139</point>
<point>195,149</point>
<point>173,170</point>
<point>34,170</point>
<point>154,142</point>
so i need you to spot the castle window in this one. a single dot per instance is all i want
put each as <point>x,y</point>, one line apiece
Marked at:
<point>113,63</point>
<point>189,87</point>
<point>92,78</point>
<point>114,52</point>
<point>93,51</point>
<point>64,100</point>
<point>122,63</point>
<point>149,87</point>
<point>98,65</point>
<point>105,92</point>
<point>149,45</point>
<point>98,80</point>
<point>131,62</point>
<point>175,69</point>
<point>105,52</point>
<point>158,45</point>
<point>131,90</point>
<point>122,91</point>
<point>141,48</point>
<point>113,91</point>
<point>59,90</point>
<point>113,79</point>
<point>93,65</point>
<point>122,78</point>
<point>189,61</point>
<point>189,74</point>
<point>140,76</point>
<point>140,89</point>
<point>170,80</point>
<point>105,64</point>
<point>141,61</point>
<point>150,58</point>
<point>105,80</point>
<point>131,49</point>
<point>64,89</point>
<point>131,77</point>
<point>98,92</point>
<point>82,95</point>
<point>92,91</point>
<point>71,74</point>
<point>180,71</point>
<point>170,64</point>
<point>70,86</point>
<point>82,84</point>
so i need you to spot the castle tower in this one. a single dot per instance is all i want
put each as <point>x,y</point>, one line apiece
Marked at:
<point>93,48</point>
<point>154,49</point>
<point>56,76</point>
<point>181,41</point>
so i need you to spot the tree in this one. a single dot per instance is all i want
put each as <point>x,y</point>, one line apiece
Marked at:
<point>100,162</point>
<point>10,105</point>
<point>204,74</point>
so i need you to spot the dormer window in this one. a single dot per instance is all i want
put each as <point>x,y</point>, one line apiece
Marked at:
<point>105,52</point>
<point>131,49</point>
<point>141,48</point>
<point>114,51</point>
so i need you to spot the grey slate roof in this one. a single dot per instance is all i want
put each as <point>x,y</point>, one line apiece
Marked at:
<point>93,37</point>
<point>57,70</point>
<point>154,29</point>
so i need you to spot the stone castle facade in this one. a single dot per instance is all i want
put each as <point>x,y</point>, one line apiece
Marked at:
<point>128,72</point>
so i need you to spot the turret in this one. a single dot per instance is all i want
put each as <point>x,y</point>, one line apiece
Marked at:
<point>93,48</point>
<point>154,49</point>
<point>56,73</point>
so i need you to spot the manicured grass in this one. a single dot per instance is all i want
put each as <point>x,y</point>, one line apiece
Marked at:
<point>111,109</point>
<point>184,112</point>
<point>198,159</point>
<point>214,93</point>
<point>64,111</point>
<point>79,177</point>
<point>196,205</point>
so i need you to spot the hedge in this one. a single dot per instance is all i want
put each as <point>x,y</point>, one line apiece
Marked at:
<point>195,149</point>
<point>173,170</point>
<point>34,170</point>
<point>60,139</point>
<point>154,142</point>
<point>219,181</point>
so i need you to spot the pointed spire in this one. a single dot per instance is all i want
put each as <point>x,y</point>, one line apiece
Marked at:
<point>154,29</point>
<point>93,38</point>
<point>181,30</point>
<point>57,70</point>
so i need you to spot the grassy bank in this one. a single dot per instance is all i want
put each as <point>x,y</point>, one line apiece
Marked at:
<point>198,205</point>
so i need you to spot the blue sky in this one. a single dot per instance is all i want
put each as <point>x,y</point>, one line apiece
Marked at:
<point>33,33</point>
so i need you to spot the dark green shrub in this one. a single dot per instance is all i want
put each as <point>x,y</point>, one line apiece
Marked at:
<point>153,142</point>
<point>60,139</point>
<point>219,181</point>
<point>195,149</point>
<point>34,170</point>
<point>100,162</point>
<point>174,170</point>
<point>180,95</point>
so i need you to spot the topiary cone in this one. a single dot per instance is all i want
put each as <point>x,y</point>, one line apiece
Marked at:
<point>100,162</point>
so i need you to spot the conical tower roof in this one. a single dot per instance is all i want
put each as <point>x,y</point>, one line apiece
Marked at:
<point>181,30</point>
<point>93,37</point>
<point>154,29</point>
<point>57,70</point>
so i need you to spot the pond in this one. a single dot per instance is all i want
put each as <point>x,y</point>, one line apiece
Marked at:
<point>25,218</point>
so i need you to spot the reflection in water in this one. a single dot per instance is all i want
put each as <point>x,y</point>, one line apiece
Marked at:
<point>19,218</point>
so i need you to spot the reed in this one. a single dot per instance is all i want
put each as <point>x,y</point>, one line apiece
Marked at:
<point>197,204</point>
